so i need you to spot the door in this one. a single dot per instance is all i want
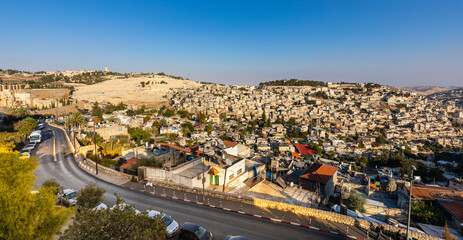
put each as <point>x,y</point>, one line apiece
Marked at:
<point>216,179</point>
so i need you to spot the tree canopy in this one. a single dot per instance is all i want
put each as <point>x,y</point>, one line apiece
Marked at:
<point>356,201</point>
<point>90,196</point>
<point>117,223</point>
<point>139,135</point>
<point>26,214</point>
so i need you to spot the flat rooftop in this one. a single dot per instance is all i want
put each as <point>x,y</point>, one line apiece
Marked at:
<point>193,171</point>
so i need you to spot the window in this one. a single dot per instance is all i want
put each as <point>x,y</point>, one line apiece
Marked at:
<point>231,177</point>
<point>239,171</point>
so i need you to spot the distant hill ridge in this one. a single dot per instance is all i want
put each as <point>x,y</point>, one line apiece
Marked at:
<point>293,82</point>
<point>428,90</point>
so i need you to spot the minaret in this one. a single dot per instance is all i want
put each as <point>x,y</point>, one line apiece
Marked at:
<point>106,68</point>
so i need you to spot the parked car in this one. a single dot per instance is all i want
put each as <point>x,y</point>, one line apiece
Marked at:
<point>172,226</point>
<point>191,231</point>
<point>30,146</point>
<point>69,197</point>
<point>100,206</point>
<point>232,237</point>
<point>26,153</point>
<point>40,126</point>
<point>122,206</point>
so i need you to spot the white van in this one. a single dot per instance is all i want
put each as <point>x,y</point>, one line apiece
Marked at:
<point>36,136</point>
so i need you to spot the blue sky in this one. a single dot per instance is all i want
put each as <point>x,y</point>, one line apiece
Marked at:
<point>399,43</point>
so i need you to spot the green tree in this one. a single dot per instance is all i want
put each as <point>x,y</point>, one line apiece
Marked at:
<point>356,201</point>
<point>90,196</point>
<point>121,222</point>
<point>188,127</point>
<point>317,149</point>
<point>209,128</point>
<point>19,112</point>
<point>76,120</point>
<point>421,168</point>
<point>169,113</point>
<point>97,111</point>
<point>292,122</point>
<point>380,139</point>
<point>201,118</point>
<point>139,135</point>
<point>26,214</point>
<point>25,126</point>
<point>424,212</point>
<point>184,114</point>
<point>53,184</point>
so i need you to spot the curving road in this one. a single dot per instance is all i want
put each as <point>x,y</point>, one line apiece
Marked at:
<point>63,168</point>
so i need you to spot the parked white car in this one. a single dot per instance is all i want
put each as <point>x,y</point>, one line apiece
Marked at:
<point>30,146</point>
<point>25,153</point>
<point>172,226</point>
<point>100,206</point>
<point>69,197</point>
<point>123,206</point>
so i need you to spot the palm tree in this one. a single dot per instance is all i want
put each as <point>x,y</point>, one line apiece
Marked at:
<point>76,119</point>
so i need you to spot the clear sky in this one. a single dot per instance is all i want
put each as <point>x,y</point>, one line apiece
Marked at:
<point>399,43</point>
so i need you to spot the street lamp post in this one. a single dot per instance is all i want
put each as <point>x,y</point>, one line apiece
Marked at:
<point>410,202</point>
<point>96,153</point>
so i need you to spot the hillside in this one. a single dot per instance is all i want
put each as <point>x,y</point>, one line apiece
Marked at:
<point>428,90</point>
<point>149,90</point>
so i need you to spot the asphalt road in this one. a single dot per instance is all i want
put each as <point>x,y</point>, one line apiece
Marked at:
<point>63,168</point>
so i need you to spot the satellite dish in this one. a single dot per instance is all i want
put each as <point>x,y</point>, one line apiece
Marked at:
<point>228,162</point>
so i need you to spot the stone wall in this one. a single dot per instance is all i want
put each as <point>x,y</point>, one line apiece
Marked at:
<point>335,217</point>
<point>89,165</point>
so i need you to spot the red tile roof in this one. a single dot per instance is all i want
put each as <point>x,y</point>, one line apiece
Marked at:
<point>454,207</point>
<point>304,149</point>
<point>430,192</point>
<point>170,146</point>
<point>229,144</point>
<point>129,163</point>
<point>319,173</point>
<point>192,148</point>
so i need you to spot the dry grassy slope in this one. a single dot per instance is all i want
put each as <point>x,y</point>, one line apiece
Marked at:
<point>15,78</point>
<point>130,91</point>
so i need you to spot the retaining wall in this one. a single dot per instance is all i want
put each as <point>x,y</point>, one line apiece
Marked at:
<point>335,217</point>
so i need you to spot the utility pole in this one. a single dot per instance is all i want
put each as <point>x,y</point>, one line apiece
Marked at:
<point>410,202</point>
<point>96,153</point>
<point>204,180</point>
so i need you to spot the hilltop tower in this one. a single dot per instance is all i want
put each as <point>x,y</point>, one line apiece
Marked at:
<point>106,68</point>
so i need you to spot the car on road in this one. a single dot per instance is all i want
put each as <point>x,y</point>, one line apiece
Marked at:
<point>172,226</point>
<point>191,231</point>
<point>30,145</point>
<point>40,126</point>
<point>26,153</point>
<point>69,197</point>
<point>123,206</point>
<point>233,237</point>
<point>100,206</point>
